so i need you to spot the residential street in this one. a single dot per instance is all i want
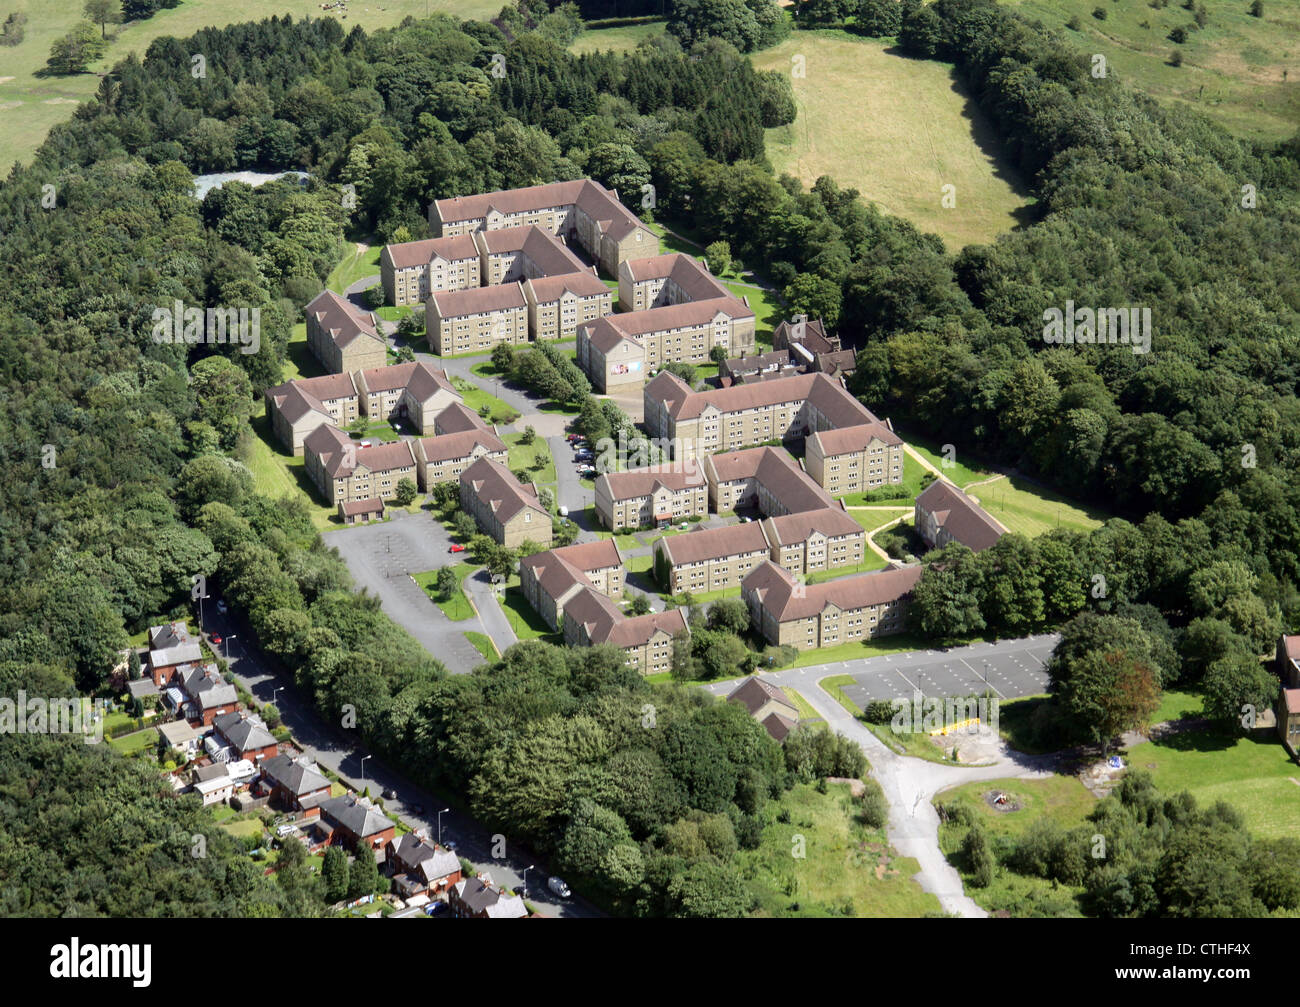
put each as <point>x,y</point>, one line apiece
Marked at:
<point>910,784</point>
<point>333,748</point>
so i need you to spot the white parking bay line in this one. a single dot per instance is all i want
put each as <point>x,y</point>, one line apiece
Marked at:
<point>983,679</point>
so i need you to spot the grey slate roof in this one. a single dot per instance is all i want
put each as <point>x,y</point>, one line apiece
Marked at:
<point>298,776</point>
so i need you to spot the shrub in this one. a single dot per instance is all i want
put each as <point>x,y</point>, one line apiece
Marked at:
<point>1178,35</point>
<point>1099,13</point>
<point>878,711</point>
<point>873,809</point>
<point>1074,24</point>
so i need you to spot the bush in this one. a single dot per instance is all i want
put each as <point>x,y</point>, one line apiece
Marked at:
<point>878,711</point>
<point>1256,8</point>
<point>1178,35</point>
<point>1175,58</point>
<point>873,809</point>
<point>1099,13</point>
<point>1074,24</point>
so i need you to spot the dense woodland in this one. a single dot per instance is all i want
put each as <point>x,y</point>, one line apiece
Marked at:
<point>123,452</point>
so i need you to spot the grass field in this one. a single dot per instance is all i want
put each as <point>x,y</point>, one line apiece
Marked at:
<point>871,561</point>
<point>897,130</point>
<point>896,644</point>
<point>1062,799</point>
<point>130,744</point>
<point>1254,776</point>
<point>1232,69</point>
<point>807,715</point>
<point>475,398</point>
<point>244,828</point>
<point>846,869</point>
<point>30,105</point>
<point>621,38</point>
<point>525,456</point>
<point>1032,510</point>
<point>456,608</point>
<point>362,261</point>
<point>524,620</point>
<point>912,475</point>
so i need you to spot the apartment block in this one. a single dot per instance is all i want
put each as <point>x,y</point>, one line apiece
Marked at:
<point>343,471</point>
<point>709,560</point>
<point>855,459</point>
<point>550,579</point>
<point>945,514</point>
<point>815,540</point>
<point>557,305</point>
<point>296,408</point>
<point>766,478</point>
<point>661,280</point>
<point>444,457</point>
<point>342,336</point>
<point>590,619</point>
<point>581,211</point>
<point>415,392</point>
<point>657,496</point>
<point>504,508</point>
<point>808,616</point>
<point>411,271</point>
<point>609,358</point>
<point>511,254</point>
<point>727,419</point>
<point>466,321</point>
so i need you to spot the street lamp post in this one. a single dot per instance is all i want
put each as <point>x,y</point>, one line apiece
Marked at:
<point>526,870</point>
<point>440,814</point>
<point>225,647</point>
<point>275,692</point>
<point>363,765</point>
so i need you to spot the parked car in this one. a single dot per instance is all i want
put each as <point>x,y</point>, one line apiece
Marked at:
<point>449,846</point>
<point>558,886</point>
<point>216,640</point>
<point>517,890</point>
<point>390,794</point>
<point>563,511</point>
<point>437,909</point>
<point>456,547</point>
<point>221,605</point>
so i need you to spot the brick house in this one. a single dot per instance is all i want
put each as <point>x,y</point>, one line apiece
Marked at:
<point>478,899</point>
<point>711,560</point>
<point>512,254</point>
<point>504,509</point>
<point>171,647</point>
<point>245,735</point>
<point>657,281</point>
<point>766,478</point>
<point>295,783</point>
<point>815,540</point>
<point>358,824</point>
<point>421,867</point>
<point>443,458</point>
<point>414,391</point>
<point>342,336</point>
<point>207,695</point>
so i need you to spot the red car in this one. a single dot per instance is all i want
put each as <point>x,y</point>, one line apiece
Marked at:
<point>457,548</point>
<point>216,640</point>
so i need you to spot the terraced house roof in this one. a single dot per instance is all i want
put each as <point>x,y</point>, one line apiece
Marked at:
<point>477,300</point>
<point>686,271</point>
<point>600,204</point>
<point>635,483</point>
<point>688,314</point>
<point>446,447</point>
<point>829,397</point>
<point>845,440</point>
<point>330,445</point>
<point>714,543</point>
<point>776,471</point>
<point>547,252</point>
<point>829,521</point>
<point>420,253</point>
<point>959,515</point>
<point>552,288</point>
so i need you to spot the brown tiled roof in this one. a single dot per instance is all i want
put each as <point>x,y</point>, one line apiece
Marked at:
<point>370,505</point>
<point>496,486</point>
<point>836,362</point>
<point>849,439</point>
<point>457,418</point>
<point>714,543</point>
<point>830,398</point>
<point>634,483</point>
<point>686,271</point>
<point>602,334</point>
<point>421,253</point>
<point>329,444</point>
<point>677,316</point>
<point>1292,697</point>
<point>754,693</point>
<point>597,202</point>
<point>552,288</point>
<point>786,599</point>
<point>830,521</point>
<point>426,382</point>
<point>421,379</point>
<point>778,726</point>
<point>959,515</point>
<point>814,335</point>
<point>452,303</point>
<point>559,570</point>
<point>668,388</point>
<point>1292,644</point>
<point>588,556</point>
<point>445,447</point>
<point>604,622</point>
<point>638,630</point>
<point>294,403</point>
<point>778,473</point>
<point>341,318</point>
<point>547,252</point>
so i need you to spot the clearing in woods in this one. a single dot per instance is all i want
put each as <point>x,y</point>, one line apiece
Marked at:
<point>897,130</point>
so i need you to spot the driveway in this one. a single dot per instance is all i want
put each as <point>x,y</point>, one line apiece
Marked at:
<point>381,557</point>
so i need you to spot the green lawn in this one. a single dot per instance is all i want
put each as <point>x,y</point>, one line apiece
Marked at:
<point>1032,510</point>
<point>620,38</point>
<point>524,620</point>
<point>913,473</point>
<point>276,474</point>
<point>359,263</point>
<point>395,313</point>
<point>1062,799</point>
<point>639,564</point>
<point>1176,705</point>
<point>870,561</point>
<point>129,744</point>
<point>846,869</point>
<point>1254,776</point>
<point>483,644</point>
<point>896,644</point>
<point>956,470</point>
<point>456,608</point>
<point>834,685</point>
<point>475,398</point>
<point>807,715</point>
<point>525,456</point>
<point>244,827</point>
